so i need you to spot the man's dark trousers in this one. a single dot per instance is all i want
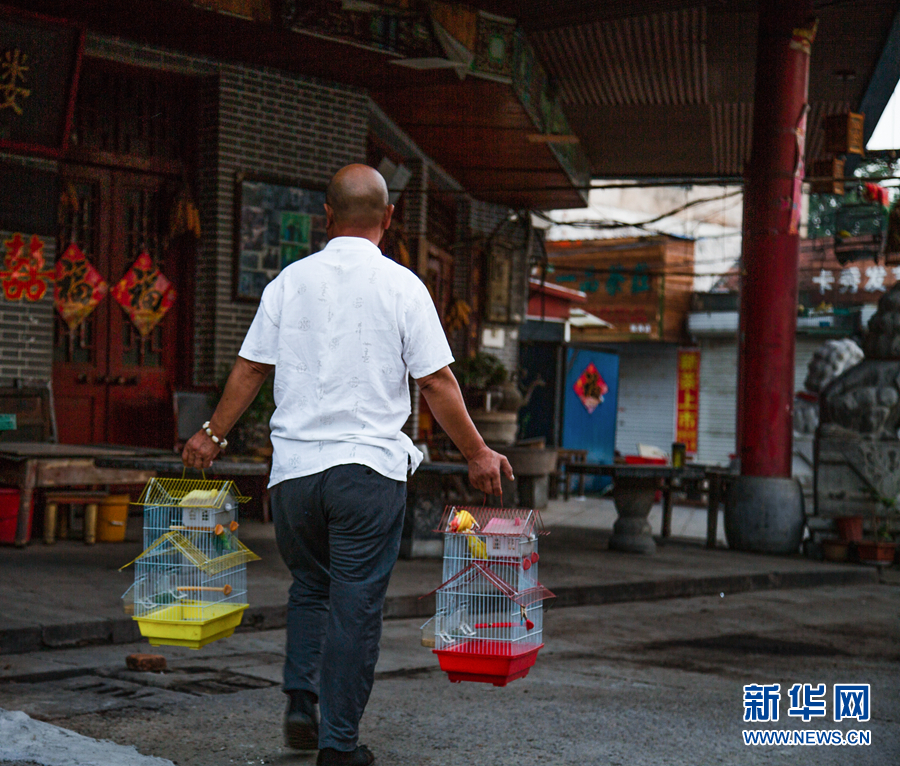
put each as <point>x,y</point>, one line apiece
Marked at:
<point>339,533</point>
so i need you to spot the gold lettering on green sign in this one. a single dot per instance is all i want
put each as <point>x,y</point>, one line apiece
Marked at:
<point>12,70</point>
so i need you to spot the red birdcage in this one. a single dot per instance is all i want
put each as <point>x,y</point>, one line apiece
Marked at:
<point>488,624</point>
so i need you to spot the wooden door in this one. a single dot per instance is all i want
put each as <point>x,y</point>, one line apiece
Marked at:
<point>110,384</point>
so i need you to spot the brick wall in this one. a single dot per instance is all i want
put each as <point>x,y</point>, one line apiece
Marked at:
<point>255,121</point>
<point>26,327</point>
<point>491,220</point>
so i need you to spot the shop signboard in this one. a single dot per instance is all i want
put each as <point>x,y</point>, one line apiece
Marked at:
<point>687,414</point>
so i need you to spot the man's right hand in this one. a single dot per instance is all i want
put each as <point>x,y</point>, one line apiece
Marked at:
<point>200,451</point>
<point>485,467</point>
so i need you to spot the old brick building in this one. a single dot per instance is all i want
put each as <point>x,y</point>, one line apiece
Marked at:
<point>159,131</point>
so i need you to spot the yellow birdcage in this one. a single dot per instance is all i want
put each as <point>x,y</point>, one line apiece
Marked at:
<point>190,584</point>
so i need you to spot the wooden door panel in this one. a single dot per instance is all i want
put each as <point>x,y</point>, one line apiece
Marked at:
<point>141,370</point>
<point>111,384</point>
<point>80,356</point>
<point>79,418</point>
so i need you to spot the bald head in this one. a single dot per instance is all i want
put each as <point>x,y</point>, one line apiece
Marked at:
<point>358,198</point>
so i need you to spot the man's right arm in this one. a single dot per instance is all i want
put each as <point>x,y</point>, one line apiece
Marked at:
<point>445,401</point>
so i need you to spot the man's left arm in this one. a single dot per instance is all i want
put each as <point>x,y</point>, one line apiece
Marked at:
<point>243,385</point>
<point>445,401</point>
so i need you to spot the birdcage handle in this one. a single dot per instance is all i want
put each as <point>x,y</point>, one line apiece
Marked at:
<point>184,471</point>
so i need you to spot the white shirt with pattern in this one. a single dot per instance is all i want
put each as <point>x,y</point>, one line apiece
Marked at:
<point>345,328</point>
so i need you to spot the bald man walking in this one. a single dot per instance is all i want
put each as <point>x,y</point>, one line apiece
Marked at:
<point>343,329</point>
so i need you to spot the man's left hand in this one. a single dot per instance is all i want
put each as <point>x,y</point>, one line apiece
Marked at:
<point>485,467</point>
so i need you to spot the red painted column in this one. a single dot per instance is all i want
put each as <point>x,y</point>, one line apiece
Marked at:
<point>768,318</point>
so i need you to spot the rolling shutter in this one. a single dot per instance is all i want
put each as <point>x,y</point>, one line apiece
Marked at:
<point>646,407</point>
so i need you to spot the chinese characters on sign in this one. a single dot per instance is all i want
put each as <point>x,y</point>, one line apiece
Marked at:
<point>79,287</point>
<point>687,415</point>
<point>615,281</point>
<point>23,275</point>
<point>590,388</point>
<point>13,71</point>
<point>855,279</point>
<point>849,702</point>
<point>39,62</point>
<point>144,294</point>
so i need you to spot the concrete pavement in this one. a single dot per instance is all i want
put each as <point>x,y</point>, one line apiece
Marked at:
<point>632,676</point>
<point>69,593</point>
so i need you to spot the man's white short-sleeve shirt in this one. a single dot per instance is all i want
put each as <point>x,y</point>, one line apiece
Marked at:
<point>345,328</point>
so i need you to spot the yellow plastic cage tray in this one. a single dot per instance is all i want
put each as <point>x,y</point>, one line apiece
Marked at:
<point>193,624</point>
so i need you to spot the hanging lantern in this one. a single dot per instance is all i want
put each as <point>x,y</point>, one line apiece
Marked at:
<point>844,133</point>
<point>828,176</point>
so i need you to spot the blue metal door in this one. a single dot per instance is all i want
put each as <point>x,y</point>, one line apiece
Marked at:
<point>590,393</point>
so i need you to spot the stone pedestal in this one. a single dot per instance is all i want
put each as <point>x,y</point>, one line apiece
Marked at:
<point>764,514</point>
<point>852,471</point>
<point>532,468</point>
<point>633,498</point>
<point>432,487</point>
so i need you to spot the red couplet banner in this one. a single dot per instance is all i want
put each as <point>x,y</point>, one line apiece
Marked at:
<point>687,416</point>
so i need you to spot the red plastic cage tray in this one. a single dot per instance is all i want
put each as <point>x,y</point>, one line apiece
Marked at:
<point>490,662</point>
<point>639,460</point>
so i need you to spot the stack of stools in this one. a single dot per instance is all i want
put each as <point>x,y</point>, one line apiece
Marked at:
<point>55,525</point>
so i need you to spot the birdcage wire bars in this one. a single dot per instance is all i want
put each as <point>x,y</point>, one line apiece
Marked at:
<point>190,583</point>
<point>488,623</point>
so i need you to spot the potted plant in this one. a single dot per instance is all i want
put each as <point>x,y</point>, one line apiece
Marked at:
<point>881,549</point>
<point>481,378</point>
<point>492,395</point>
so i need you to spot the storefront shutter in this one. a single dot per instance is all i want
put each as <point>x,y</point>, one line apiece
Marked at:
<point>718,394</point>
<point>646,412</point>
<point>718,401</point>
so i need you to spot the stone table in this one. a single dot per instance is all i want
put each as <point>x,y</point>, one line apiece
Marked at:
<point>634,490</point>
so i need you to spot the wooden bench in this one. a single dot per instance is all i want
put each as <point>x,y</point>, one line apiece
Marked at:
<point>53,522</point>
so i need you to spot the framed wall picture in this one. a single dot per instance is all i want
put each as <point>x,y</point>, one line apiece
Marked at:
<point>499,282</point>
<point>39,63</point>
<point>276,224</point>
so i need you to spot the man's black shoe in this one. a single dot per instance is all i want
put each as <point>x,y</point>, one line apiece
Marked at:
<point>301,722</point>
<point>362,756</point>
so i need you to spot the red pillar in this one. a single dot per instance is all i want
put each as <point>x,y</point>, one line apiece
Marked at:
<point>768,319</point>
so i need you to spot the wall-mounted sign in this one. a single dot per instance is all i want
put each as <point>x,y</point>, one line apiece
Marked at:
<point>499,265</point>
<point>687,415</point>
<point>276,225</point>
<point>590,388</point>
<point>24,275</point>
<point>39,62</point>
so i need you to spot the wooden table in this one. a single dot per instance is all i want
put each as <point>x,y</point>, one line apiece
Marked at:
<point>634,490</point>
<point>39,465</point>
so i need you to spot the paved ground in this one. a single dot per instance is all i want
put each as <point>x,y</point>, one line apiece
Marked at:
<point>70,593</point>
<point>631,676</point>
<point>632,683</point>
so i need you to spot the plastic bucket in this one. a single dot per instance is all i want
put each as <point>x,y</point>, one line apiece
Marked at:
<point>9,515</point>
<point>112,518</point>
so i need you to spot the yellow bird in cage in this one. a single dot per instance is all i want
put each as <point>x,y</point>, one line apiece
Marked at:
<point>477,546</point>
